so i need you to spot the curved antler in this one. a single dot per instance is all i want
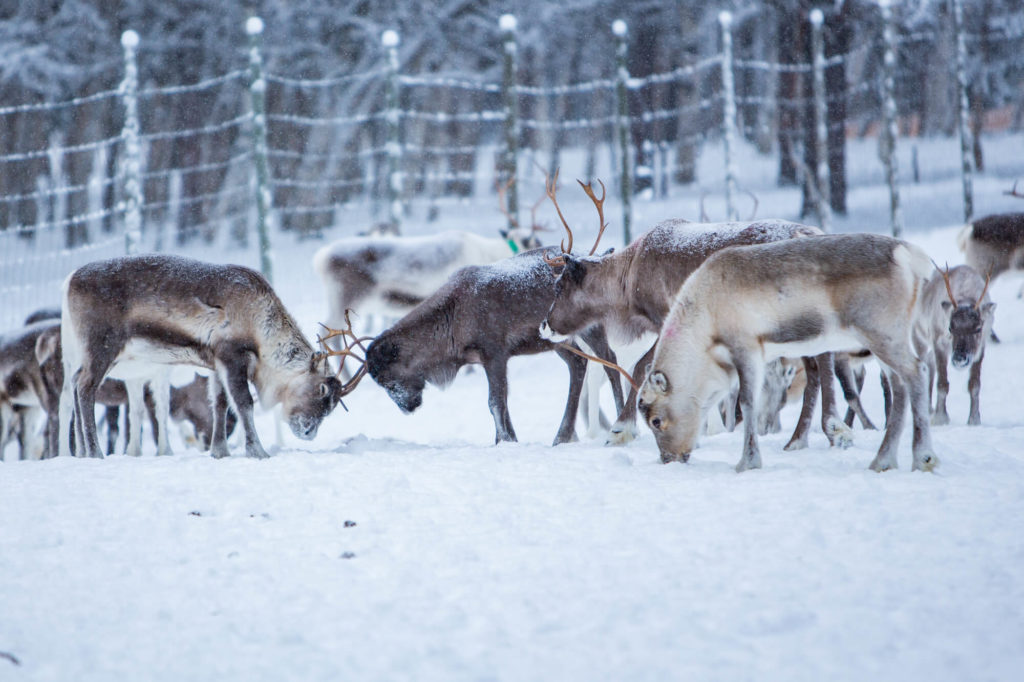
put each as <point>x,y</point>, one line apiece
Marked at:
<point>599,204</point>
<point>550,188</point>
<point>350,341</point>
<point>988,278</point>
<point>1013,192</point>
<point>945,278</point>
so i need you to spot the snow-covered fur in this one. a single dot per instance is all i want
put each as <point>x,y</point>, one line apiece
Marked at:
<point>124,315</point>
<point>747,305</point>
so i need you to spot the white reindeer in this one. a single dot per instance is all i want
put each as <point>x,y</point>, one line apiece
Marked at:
<point>747,305</point>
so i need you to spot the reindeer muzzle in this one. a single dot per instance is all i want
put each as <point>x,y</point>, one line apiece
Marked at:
<point>669,457</point>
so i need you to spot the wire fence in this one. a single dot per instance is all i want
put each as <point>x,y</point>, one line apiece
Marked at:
<point>406,147</point>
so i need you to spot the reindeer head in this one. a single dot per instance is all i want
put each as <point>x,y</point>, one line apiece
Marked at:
<point>578,299</point>
<point>686,380</point>
<point>313,394</point>
<point>969,323</point>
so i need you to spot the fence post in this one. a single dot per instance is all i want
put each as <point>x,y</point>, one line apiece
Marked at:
<point>258,93</point>
<point>821,173</point>
<point>963,111</point>
<point>728,115</point>
<point>622,124</point>
<point>510,96</point>
<point>891,131</point>
<point>132,164</point>
<point>389,39</point>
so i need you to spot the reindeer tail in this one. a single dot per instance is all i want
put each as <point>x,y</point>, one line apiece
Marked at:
<point>965,234</point>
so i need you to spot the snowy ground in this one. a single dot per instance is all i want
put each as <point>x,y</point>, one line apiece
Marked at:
<point>410,548</point>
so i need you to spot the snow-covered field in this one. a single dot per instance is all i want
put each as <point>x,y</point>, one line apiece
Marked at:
<point>399,547</point>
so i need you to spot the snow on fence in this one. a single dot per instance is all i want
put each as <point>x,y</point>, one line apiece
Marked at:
<point>246,153</point>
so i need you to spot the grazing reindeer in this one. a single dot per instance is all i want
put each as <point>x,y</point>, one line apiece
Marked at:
<point>749,304</point>
<point>21,388</point>
<point>630,292</point>
<point>994,244</point>
<point>122,315</point>
<point>956,319</point>
<point>483,314</point>
<point>389,275</point>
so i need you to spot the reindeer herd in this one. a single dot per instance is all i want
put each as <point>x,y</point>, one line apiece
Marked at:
<point>723,315</point>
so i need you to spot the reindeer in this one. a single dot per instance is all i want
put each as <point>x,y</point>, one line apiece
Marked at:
<point>630,292</point>
<point>21,389</point>
<point>483,314</point>
<point>389,275</point>
<point>189,405</point>
<point>749,304</point>
<point>995,244</point>
<point>957,317</point>
<point>122,315</point>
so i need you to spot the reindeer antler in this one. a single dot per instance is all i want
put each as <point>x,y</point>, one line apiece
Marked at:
<point>551,188</point>
<point>599,204</point>
<point>350,341</point>
<point>601,361</point>
<point>1013,192</point>
<point>945,278</point>
<point>988,278</point>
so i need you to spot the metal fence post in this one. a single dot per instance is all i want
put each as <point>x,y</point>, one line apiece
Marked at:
<point>728,115</point>
<point>891,131</point>
<point>258,93</point>
<point>622,124</point>
<point>963,111</point>
<point>823,197</point>
<point>510,97</point>
<point>389,40</point>
<point>132,164</point>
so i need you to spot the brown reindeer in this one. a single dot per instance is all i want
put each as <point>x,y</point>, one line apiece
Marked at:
<point>630,292</point>
<point>121,316</point>
<point>483,314</point>
<point>994,244</point>
<point>749,304</point>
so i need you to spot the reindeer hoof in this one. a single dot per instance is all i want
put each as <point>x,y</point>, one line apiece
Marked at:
<point>796,444</point>
<point>839,434</point>
<point>882,465</point>
<point>940,419</point>
<point>620,436</point>
<point>974,420</point>
<point>926,463</point>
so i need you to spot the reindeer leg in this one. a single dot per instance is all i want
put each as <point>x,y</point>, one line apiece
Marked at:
<point>798,441</point>
<point>941,363</point>
<point>496,370</point>
<point>233,371</point>
<point>836,430</point>
<point>597,339</point>
<point>751,371</point>
<point>624,429</point>
<point>219,405</point>
<point>160,386</point>
<point>851,382</point>
<point>886,457</point>
<point>974,387</point>
<point>577,371</point>
<point>136,414</point>
<point>113,419</point>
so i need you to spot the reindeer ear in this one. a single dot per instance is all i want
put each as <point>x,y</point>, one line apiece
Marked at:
<point>947,306</point>
<point>659,382</point>
<point>988,308</point>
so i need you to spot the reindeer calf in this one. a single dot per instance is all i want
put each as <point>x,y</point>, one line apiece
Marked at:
<point>956,319</point>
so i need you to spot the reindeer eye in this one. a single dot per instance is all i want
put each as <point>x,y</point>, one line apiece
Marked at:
<point>656,423</point>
